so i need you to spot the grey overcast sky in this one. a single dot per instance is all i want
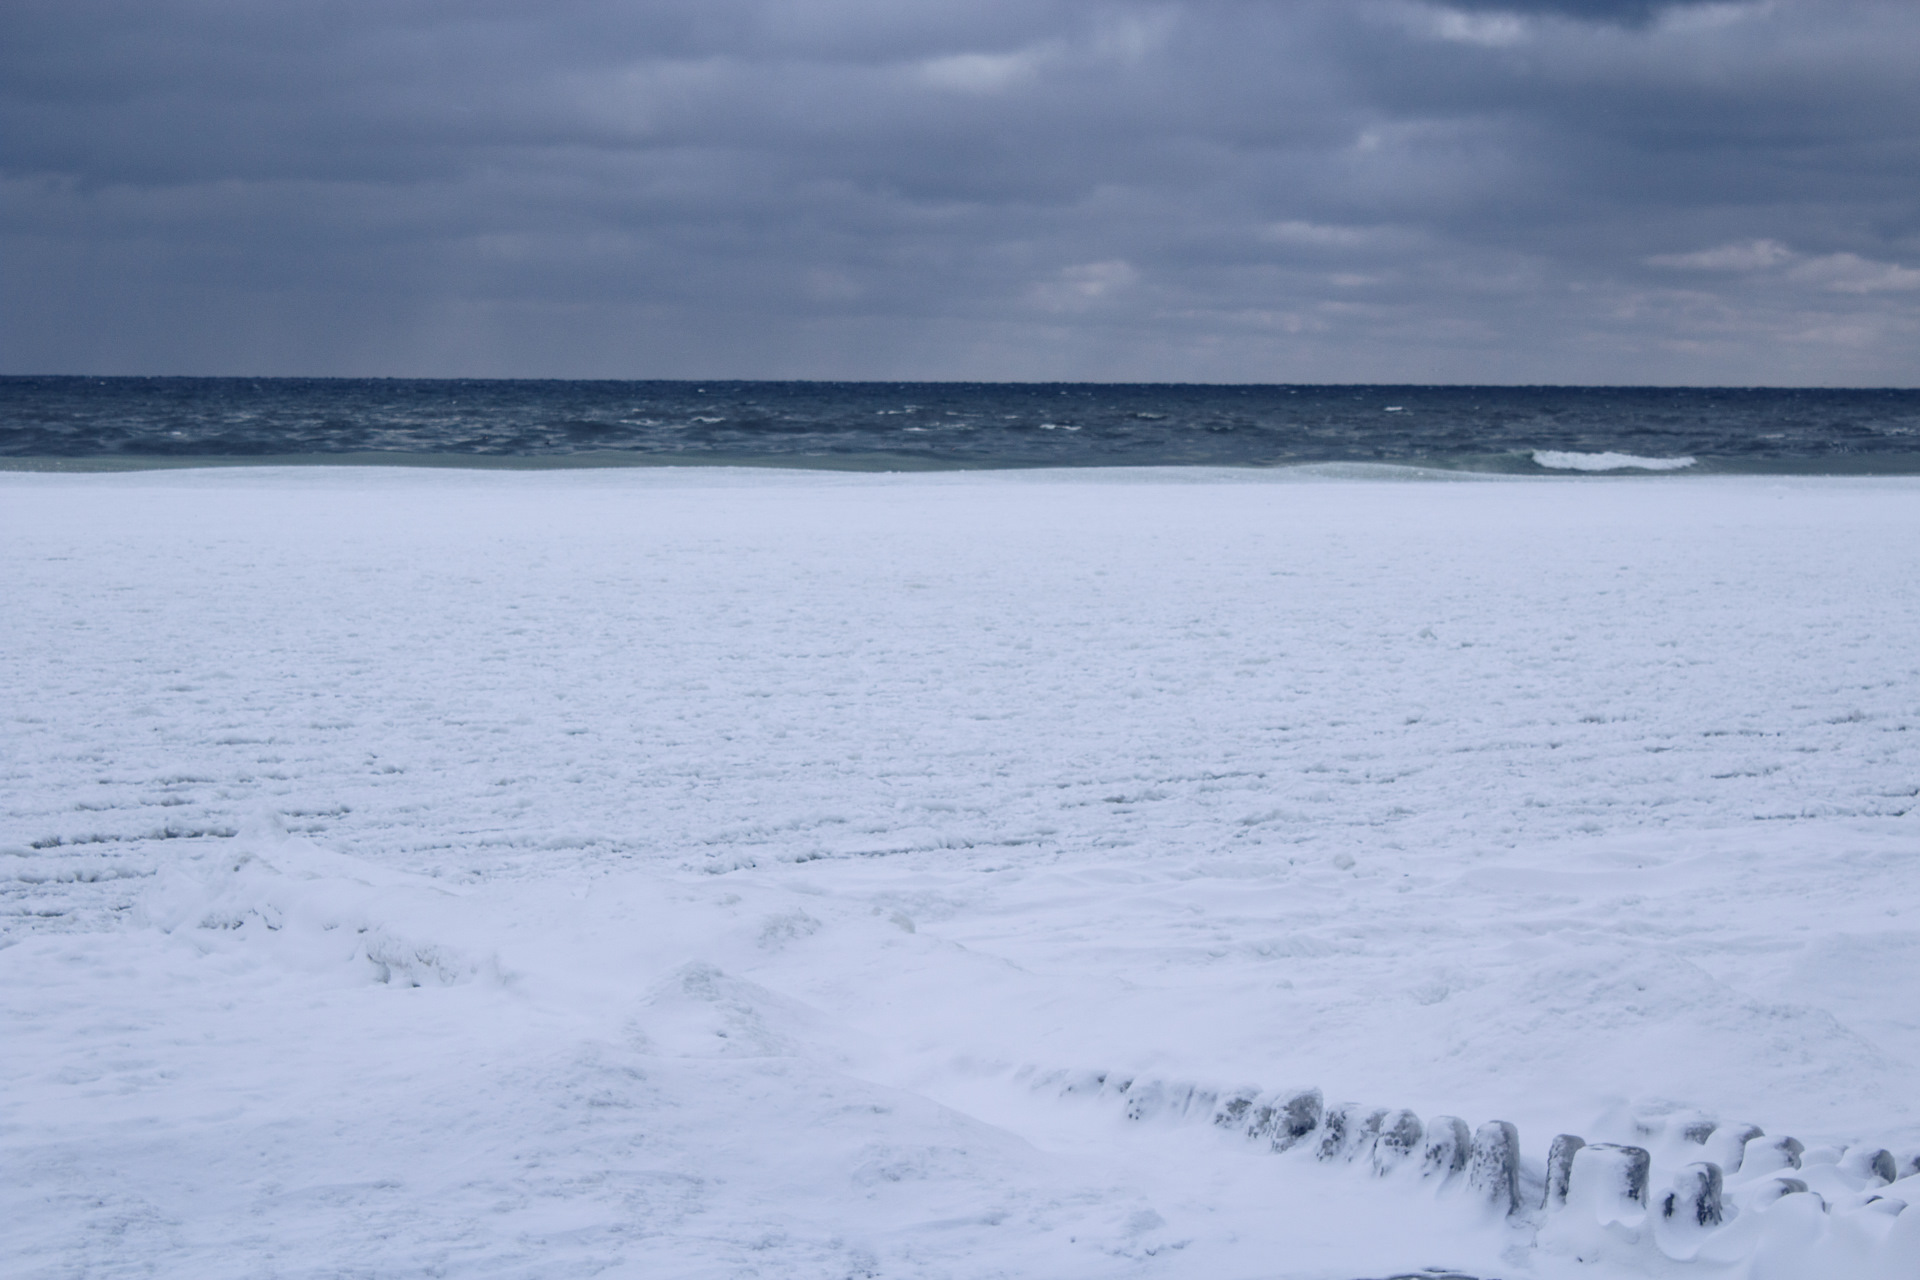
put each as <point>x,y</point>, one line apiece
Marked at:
<point>1581,191</point>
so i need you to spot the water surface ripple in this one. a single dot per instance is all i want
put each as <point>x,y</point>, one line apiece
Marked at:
<point>870,425</point>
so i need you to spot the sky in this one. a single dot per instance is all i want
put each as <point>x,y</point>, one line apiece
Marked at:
<point>1481,191</point>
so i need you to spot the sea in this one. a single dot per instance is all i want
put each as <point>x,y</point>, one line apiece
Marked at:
<point>87,423</point>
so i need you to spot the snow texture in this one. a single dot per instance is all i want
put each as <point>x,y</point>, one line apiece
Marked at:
<point>743,873</point>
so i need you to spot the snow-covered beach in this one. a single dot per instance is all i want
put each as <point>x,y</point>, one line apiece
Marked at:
<point>706,872</point>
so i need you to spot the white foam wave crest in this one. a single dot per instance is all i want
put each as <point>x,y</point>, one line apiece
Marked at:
<point>1561,460</point>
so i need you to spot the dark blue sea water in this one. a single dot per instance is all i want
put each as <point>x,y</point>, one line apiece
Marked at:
<point>91,422</point>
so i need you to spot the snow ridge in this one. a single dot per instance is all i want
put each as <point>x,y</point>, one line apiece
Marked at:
<point>319,910</point>
<point>1735,1197</point>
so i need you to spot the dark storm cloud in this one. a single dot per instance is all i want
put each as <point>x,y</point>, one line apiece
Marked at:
<point>1632,12</point>
<point>1291,191</point>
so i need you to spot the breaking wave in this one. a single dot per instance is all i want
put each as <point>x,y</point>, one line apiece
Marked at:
<point>1560,460</point>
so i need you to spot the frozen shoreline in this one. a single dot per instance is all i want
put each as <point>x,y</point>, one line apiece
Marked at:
<point>1545,799</point>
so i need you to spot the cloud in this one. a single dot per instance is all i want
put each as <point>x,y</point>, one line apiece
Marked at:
<point>1833,272</point>
<point>1313,191</point>
<point>982,72</point>
<point>1621,12</point>
<point>1078,287</point>
<point>1748,255</point>
<point>1851,273</point>
<point>1316,235</point>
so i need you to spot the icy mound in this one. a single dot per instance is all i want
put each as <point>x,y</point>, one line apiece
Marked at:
<point>312,909</point>
<point>1561,460</point>
<point>699,1011</point>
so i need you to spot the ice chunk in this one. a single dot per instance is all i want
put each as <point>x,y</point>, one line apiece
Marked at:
<point>1765,1155</point>
<point>1869,1165</point>
<point>1695,1198</point>
<point>1445,1152</point>
<point>1086,1082</point>
<point>1493,1166</point>
<point>1773,1189</point>
<point>1234,1107</point>
<point>1400,1135</point>
<point>1697,1131</point>
<point>1350,1131</point>
<point>1609,1182</point>
<point>1690,1213</point>
<point>1559,1169</point>
<point>1726,1145</point>
<point>1284,1119</point>
<point>1154,1098</point>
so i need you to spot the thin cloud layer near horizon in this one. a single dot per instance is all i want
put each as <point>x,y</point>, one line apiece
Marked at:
<point>1207,190</point>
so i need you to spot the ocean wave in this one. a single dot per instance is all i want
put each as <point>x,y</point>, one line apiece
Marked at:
<point>149,422</point>
<point>1560,460</point>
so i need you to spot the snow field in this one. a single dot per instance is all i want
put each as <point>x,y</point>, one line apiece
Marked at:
<point>756,840</point>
